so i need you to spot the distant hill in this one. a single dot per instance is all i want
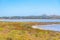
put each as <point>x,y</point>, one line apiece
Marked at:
<point>32,17</point>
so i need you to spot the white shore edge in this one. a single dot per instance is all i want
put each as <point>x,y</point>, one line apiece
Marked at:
<point>38,27</point>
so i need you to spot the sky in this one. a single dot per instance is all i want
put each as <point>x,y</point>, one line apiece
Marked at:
<point>29,7</point>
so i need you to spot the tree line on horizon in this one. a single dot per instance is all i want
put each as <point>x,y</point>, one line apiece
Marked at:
<point>32,17</point>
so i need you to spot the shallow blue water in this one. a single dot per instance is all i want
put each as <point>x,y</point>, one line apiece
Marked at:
<point>32,20</point>
<point>55,27</point>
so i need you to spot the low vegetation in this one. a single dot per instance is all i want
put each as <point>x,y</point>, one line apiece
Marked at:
<point>24,31</point>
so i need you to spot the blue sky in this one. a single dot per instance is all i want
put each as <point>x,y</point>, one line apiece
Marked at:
<point>29,7</point>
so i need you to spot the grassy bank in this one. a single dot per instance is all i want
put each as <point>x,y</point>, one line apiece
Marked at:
<point>24,31</point>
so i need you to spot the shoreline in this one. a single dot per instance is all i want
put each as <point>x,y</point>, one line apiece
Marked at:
<point>20,30</point>
<point>50,27</point>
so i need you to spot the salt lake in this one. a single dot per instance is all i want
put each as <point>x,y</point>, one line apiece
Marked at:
<point>53,27</point>
<point>31,20</point>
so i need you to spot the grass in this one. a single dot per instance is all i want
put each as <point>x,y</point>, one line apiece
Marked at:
<point>24,31</point>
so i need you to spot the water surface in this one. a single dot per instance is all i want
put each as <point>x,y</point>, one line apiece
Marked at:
<point>53,27</point>
<point>31,20</point>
